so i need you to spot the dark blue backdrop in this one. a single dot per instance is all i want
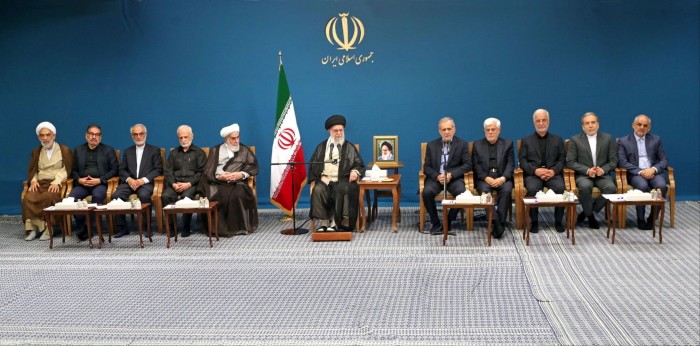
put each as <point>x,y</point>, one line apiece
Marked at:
<point>212,63</point>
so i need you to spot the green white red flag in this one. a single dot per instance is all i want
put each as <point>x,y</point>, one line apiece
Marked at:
<point>286,148</point>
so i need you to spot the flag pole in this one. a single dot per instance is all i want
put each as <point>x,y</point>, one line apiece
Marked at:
<point>280,53</point>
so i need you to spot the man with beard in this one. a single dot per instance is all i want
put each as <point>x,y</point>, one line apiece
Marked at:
<point>494,161</point>
<point>335,168</point>
<point>182,172</point>
<point>141,164</point>
<point>592,155</point>
<point>49,166</point>
<point>228,167</point>
<point>94,164</point>
<point>542,160</point>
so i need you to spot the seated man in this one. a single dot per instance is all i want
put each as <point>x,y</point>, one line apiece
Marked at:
<point>335,168</point>
<point>49,166</point>
<point>228,167</point>
<point>643,156</point>
<point>446,161</point>
<point>182,172</point>
<point>93,165</point>
<point>141,164</point>
<point>592,155</point>
<point>493,160</point>
<point>542,160</point>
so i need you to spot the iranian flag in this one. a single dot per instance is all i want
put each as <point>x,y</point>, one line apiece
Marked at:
<point>286,148</point>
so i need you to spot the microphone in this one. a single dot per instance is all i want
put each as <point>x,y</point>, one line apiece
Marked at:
<point>335,161</point>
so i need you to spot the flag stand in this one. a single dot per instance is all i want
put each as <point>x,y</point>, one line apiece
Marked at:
<point>294,230</point>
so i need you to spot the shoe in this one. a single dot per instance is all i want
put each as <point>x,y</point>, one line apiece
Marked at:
<point>581,217</point>
<point>82,235</point>
<point>643,225</point>
<point>322,229</point>
<point>331,229</point>
<point>650,223</point>
<point>45,235</point>
<point>592,222</point>
<point>497,229</point>
<point>148,234</point>
<point>242,232</point>
<point>436,229</point>
<point>185,233</point>
<point>451,232</point>
<point>534,227</point>
<point>559,227</point>
<point>122,232</point>
<point>31,235</point>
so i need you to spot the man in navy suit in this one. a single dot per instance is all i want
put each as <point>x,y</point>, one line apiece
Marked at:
<point>141,164</point>
<point>643,156</point>
<point>494,162</point>
<point>94,163</point>
<point>542,160</point>
<point>592,155</point>
<point>446,162</point>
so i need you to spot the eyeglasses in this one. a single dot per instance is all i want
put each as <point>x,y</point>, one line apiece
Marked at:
<point>93,134</point>
<point>138,134</point>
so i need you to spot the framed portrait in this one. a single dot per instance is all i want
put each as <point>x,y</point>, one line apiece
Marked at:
<point>386,149</point>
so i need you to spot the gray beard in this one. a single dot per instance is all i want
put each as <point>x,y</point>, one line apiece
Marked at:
<point>235,149</point>
<point>338,141</point>
<point>47,146</point>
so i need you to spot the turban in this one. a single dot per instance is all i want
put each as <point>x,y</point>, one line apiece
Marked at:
<point>335,120</point>
<point>229,129</point>
<point>45,125</point>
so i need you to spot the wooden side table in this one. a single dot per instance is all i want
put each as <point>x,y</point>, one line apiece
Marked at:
<point>145,210</point>
<point>394,185</point>
<point>212,213</point>
<point>617,201</point>
<point>52,211</point>
<point>392,165</point>
<point>452,203</point>
<point>532,202</point>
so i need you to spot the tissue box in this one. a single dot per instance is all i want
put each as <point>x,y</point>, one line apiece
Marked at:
<point>66,205</point>
<point>118,205</point>
<point>468,200</point>
<point>186,204</point>
<point>550,197</point>
<point>632,197</point>
<point>382,173</point>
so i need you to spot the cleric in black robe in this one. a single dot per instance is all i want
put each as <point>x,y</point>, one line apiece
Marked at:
<point>225,176</point>
<point>336,168</point>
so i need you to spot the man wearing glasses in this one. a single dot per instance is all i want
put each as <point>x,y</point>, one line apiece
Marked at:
<point>141,164</point>
<point>94,163</point>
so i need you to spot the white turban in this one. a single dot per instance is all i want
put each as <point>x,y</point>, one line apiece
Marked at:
<point>45,125</point>
<point>229,129</point>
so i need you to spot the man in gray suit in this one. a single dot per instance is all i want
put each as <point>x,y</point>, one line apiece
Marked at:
<point>592,155</point>
<point>140,165</point>
<point>643,156</point>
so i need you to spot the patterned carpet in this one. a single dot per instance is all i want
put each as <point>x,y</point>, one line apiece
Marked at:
<point>381,288</point>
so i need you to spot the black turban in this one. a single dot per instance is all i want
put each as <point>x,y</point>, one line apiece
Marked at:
<point>335,120</point>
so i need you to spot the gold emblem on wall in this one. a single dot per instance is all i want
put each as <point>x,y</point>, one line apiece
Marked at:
<point>346,32</point>
<point>345,42</point>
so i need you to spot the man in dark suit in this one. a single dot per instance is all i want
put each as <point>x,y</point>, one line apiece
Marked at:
<point>542,159</point>
<point>446,162</point>
<point>94,163</point>
<point>592,155</point>
<point>494,162</point>
<point>643,156</point>
<point>141,164</point>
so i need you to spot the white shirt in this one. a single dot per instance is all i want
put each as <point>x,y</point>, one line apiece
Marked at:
<point>592,141</point>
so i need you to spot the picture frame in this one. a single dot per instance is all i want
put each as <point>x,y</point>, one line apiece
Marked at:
<point>382,155</point>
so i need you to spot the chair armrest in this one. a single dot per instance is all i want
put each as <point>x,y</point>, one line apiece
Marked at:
<point>570,180</point>
<point>671,179</point>
<point>252,184</point>
<point>621,179</point>
<point>421,182</point>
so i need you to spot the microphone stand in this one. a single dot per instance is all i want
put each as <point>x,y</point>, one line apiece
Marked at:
<point>294,230</point>
<point>444,169</point>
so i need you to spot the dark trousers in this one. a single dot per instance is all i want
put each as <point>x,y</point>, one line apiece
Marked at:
<point>98,193</point>
<point>644,185</point>
<point>585,186</point>
<point>534,184</point>
<point>333,199</point>
<point>124,191</point>
<point>432,188</point>
<point>171,196</point>
<point>504,201</point>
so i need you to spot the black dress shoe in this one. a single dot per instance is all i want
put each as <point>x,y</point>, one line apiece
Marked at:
<point>534,227</point>
<point>185,233</point>
<point>82,235</point>
<point>122,232</point>
<point>559,227</point>
<point>581,217</point>
<point>497,229</point>
<point>593,223</point>
<point>650,222</point>
<point>643,225</point>
<point>436,229</point>
<point>148,234</point>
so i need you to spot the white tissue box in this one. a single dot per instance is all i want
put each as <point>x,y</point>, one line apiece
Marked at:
<point>633,197</point>
<point>187,204</point>
<point>66,205</point>
<point>550,198</point>
<point>468,200</point>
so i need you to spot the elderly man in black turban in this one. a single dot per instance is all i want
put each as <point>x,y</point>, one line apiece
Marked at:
<point>336,167</point>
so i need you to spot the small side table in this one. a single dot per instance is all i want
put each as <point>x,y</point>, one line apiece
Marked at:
<point>452,203</point>
<point>617,201</point>
<point>145,210</point>
<point>52,211</point>
<point>212,213</point>
<point>388,165</point>
<point>394,185</point>
<point>532,202</point>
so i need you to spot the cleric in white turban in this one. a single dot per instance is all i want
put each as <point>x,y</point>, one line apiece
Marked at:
<point>229,167</point>
<point>50,165</point>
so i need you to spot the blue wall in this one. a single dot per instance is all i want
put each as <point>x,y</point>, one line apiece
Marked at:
<point>212,63</point>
